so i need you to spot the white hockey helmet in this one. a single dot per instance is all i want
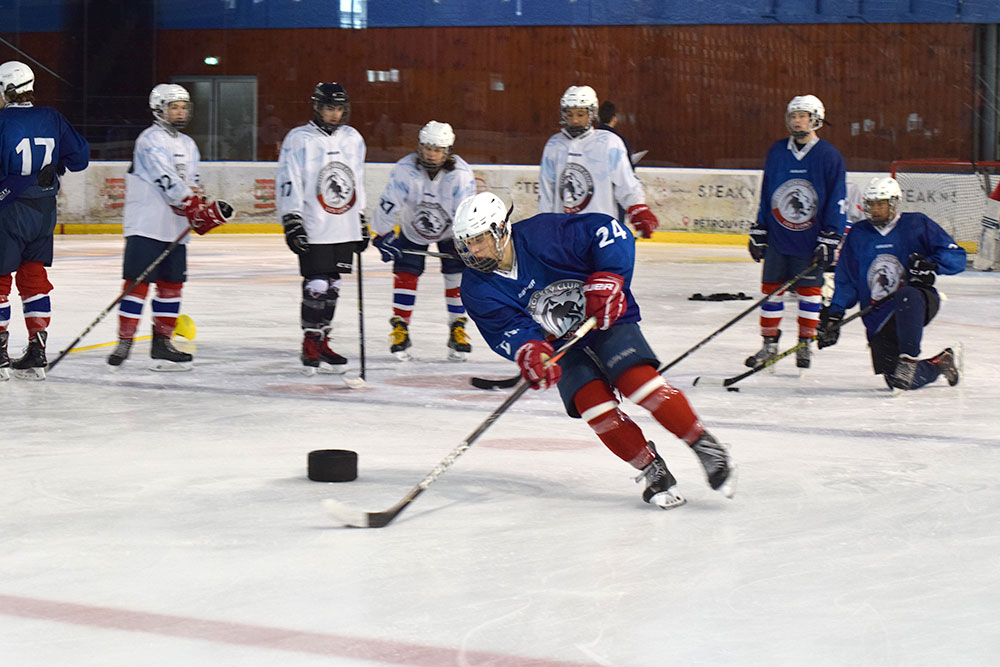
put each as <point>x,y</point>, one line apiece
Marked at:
<point>577,97</point>
<point>883,188</point>
<point>811,105</point>
<point>160,98</point>
<point>16,78</point>
<point>438,135</point>
<point>481,220</point>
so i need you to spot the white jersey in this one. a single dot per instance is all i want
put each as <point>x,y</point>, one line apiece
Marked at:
<point>163,171</point>
<point>588,174</point>
<point>423,207</point>
<point>321,177</point>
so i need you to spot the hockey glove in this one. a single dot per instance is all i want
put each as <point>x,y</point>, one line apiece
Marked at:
<point>210,216</point>
<point>388,245</point>
<point>366,236</point>
<point>189,207</point>
<point>604,297</point>
<point>758,242</point>
<point>921,271</point>
<point>642,219</point>
<point>826,249</point>
<point>828,330</point>
<point>295,233</point>
<point>530,358</point>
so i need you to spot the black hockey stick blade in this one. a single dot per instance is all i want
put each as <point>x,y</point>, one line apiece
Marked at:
<point>486,383</point>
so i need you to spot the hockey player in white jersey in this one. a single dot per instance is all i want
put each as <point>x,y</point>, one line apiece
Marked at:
<point>163,199</point>
<point>321,200</point>
<point>416,209</point>
<point>586,171</point>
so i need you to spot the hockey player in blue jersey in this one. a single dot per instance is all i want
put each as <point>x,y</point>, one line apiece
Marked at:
<point>533,282</point>
<point>37,145</point>
<point>800,222</point>
<point>892,258</point>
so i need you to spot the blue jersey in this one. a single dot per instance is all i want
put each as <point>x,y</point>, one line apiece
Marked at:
<point>803,192</point>
<point>873,266</point>
<point>542,296</point>
<point>30,139</point>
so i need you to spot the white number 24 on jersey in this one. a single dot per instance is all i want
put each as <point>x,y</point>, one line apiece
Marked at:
<point>23,149</point>
<point>609,232</point>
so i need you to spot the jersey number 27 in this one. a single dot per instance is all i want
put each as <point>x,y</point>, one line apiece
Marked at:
<point>608,233</point>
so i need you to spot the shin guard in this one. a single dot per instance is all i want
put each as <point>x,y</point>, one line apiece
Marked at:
<point>645,387</point>
<point>597,405</point>
<point>166,307</point>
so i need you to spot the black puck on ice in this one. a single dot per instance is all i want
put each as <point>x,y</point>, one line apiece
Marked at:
<point>333,465</point>
<point>732,388</point>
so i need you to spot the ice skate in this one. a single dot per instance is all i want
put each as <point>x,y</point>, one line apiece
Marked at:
<point>660,484</point>
<point>118,357</point>
<point>330,361</point>
<point>166,357</point>
<point>718,467</point>
<point>458,341</point>
<point>399,339</point>
<point>312,340</point>
<point>4,359</point>
<point>949,362</point>
<point>767,352</point>
<point>903,375</point>
<point>803,355</point>
<point>32,365</point>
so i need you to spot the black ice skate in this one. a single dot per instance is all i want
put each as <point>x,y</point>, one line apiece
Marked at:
<point>458,341</point>
<point>118,357</point>
<point>168,358</point>
<point>4,359</point>
<point>949,362</point>
<point>399,339</point>
<point>32,365</point>
<point>767,352</point>
<point>903,375</point>
<point>660,484</point>
<point>803,355</point>
<point>330,361</point>
<point>718,467</point>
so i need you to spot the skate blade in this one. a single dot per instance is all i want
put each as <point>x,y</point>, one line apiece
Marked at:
<point>114,369</point>
<point>403,355</point>
<point>353,382</point>
<point>308,371</point>
<point>455,355</point>
<point>164,366</point>
<point>4,374</point>
<point>332,369</point>
<point>728,488</point>
<point>35,374</point>
<point>667,500</point>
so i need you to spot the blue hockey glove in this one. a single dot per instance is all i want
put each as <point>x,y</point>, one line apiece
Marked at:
<point>758,242</point>
<point>388,245</point>
<point>826,249</point>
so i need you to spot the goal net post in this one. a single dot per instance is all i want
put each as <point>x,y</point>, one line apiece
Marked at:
<point>953,193</point>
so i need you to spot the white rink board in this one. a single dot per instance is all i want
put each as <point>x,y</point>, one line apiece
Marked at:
<point>695,200</point>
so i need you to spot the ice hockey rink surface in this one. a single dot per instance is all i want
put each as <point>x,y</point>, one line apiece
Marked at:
<point>163,519</point>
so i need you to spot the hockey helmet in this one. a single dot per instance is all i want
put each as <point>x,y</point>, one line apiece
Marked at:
<point>437,135</point>
<point>811,105</point>
<point>330,94</point>
<point>160,99</point>
<point>883,188</point>
<point>481,222</point>
<point>577,97</point>
<point>16,78</point>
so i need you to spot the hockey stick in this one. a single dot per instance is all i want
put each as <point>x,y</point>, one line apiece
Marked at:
<point>185,329</point>
<point>429,253</point>
<point>142,277</point>
<point>486,383</point>
<point>360,519</point>
<point>361,320</point>
<point>781,288</point>
<point>728,382</point>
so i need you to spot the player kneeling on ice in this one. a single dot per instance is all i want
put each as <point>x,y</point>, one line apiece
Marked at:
<point>416,209</point>
<point>892,258</point>
<point>163,200</point>
<point>535,281</point>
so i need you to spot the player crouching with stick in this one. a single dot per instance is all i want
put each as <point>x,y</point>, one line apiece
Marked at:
<point>536,281</point>
<point>893,257</point>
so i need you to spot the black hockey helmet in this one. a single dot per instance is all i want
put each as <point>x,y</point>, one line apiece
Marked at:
<point>332,94</point>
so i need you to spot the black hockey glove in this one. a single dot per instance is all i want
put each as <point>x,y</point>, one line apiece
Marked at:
<point>758,242</point>
<point>295,233</point>
<point>921,271</point>
<point>826,249</point>
<point>366,236</point>
<point>829,328</point>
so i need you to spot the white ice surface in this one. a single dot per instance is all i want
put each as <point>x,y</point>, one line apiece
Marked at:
<point>166,519</point>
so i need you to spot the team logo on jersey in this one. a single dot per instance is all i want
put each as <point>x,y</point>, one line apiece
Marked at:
<point>576,188</point>
<point>794,204</point>
<point>885,274</point>
<point>558,307</point>
<point>430,221</point>
<point>335,188</point>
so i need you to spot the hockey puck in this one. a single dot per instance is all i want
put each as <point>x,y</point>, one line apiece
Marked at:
<point>732,388</point>
<point>333,465</point>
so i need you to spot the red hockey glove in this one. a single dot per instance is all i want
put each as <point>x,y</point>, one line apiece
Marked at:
<point>604,296</point>
<point>210,216</point>
<point>189,206</point>
<point>531,357</point>
<point>643,220</point>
